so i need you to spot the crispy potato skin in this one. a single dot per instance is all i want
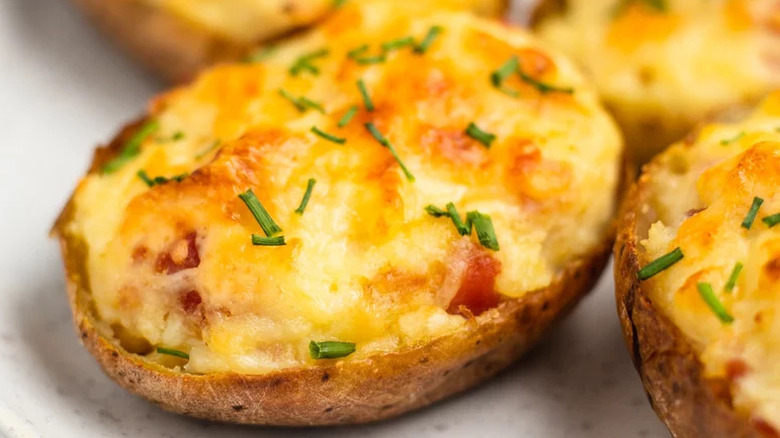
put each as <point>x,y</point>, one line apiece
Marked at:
<point>690,404</point>
<point>335,392</point>
<point>169,46</point>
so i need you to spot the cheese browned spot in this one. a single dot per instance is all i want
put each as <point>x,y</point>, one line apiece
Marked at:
<point>174,265</point>
<point>719,180</point>
<point>660,72</point>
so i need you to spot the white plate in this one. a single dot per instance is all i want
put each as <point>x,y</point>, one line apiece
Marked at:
<point>62,90</point>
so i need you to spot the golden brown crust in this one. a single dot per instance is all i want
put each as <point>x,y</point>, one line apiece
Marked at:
<point>161,42</point>
<point>335,392</point>
<point>690,404</point>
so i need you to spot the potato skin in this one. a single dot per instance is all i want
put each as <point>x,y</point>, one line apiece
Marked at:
<point>167,45</point>
<point>690,404</point>
<point>336,392</point>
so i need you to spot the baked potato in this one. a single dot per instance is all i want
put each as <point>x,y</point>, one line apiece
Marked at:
<point>697,278</point>
<point>177,38</point>
<point>385,211</point>
<point>663,66</point>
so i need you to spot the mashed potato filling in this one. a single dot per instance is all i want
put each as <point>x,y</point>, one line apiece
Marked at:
<point>173,265</point>
<point>661,70</point>
<point>702,191</point>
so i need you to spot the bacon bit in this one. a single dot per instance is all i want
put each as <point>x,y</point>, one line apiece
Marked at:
<point>477,291</point>
<point>139,253</point>
<point>182,255</point>
<point>693,211</point>
<point>190,301</point>
<point>772,269</point>
<point>764,428</point>
<point>736,368</point>
<point>453,145</point>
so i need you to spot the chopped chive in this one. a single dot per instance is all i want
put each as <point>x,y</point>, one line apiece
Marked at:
<point>261,215</point>
<point>178,135</point>
<point>772,220</point>
<point>481,136</point>
<point>736,138</point>
<point>430,37</point>
<point>304,62</point>
<point>378,59</point>
<point>435,211</point>
<point>452,212</point>
<point>259,55</point>
<point>483,225</point>
<point>330,349</point>
<point>132,147</point>
<point>658,5</point>
<point>503,72</point>
<point>348,116</point>
<point>172,352</point>
<point>543,87</point>
<point>306,196</point>
<point>159,179</point>
<point>338,3</point>
<point>708,295</point>
<point>215,144</point>
<point>398,44</point>
<point>301,103</point>
<point>357,51</point>
<point>366,98</point>
<point>259,240</point>
<point>733,277</point>
<point>326,136</point>
<point>386,143</point>
<point>751,216</point>
<point>660,264</point>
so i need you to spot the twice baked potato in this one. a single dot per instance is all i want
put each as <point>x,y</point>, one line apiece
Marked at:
<point>663,66</point>
<point>177,38</point>
<point>385,211</point>
<point>697,270</point>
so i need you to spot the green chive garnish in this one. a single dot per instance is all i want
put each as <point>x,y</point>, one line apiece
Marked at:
<point>330,349</point>
<point>483,224</point>
<point>772,220</point>
<point>452,212</point>
<point>733,277</point>
<point>542,87</point>
<point>435,211</point>
<point>338,3</point>
<point>259,55</point>
<point>215,144</point>
<point>306,196</point>
<point>133,146</point>
<point>384,142</point>
<point>357,51</point>
<point>728,141</point>
<point>366,98</point>
<point>348,116</point>
<point>159,179</point>
<point>430,37</point>
<point>172,352</point>
<point>304,62</point>
<point>371,60</point>
<point>751,216</point>
<point>301,103</point>
<point>259,240</point>
<point>708,295</point>
<point>503,72</point>
<point>398,44</point>
<point>481,136</point>
<point>261,215</point>
<point>327,136</point>
<point>660,264</point>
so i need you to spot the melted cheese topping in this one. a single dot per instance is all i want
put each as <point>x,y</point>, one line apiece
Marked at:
<point>250,21</point>
<point>702,191</point>
<point>173,264</point>
<point>662,72</point>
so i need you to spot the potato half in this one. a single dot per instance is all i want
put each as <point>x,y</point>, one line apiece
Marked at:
<point>703,331</point>
<point>177,38</point>
<point>456,207</point>
<point>663,66</point>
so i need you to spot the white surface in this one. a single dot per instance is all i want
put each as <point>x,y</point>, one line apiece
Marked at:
<point>62,90</point>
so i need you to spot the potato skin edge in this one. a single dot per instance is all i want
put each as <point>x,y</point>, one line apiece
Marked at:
<point>335,392</point>
<point>690,404</point>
